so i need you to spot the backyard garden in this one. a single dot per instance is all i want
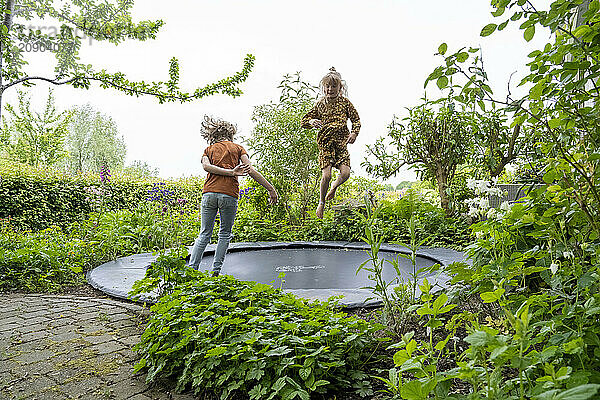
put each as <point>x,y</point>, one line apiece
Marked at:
<point>519,319</point>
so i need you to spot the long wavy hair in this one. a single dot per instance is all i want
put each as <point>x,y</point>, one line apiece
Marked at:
<point>216,130</point>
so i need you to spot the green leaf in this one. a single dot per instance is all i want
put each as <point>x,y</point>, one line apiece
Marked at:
<point>442,82</point>
<point>442,48</point>
<point>415,390</point>
<point>582,392</point>
<point>479,338</point>
<point>490,297</point>
<point>554,123</point>
<point>536,91</point>
<point>549,176</point>
<point>581,30</point>
<point>488,30</point>
<point>529,32</point>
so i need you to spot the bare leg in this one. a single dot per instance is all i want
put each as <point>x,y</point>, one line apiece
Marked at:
<point>325,179</point>
<point>342,177</point>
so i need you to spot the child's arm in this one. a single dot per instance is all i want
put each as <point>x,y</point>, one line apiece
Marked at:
<point>312,119</point>
<point>239,170</point>
<point>254,174</point>
<point>355,119</point>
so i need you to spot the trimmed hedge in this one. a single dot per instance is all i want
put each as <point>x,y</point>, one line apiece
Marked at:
<point>35,199</point>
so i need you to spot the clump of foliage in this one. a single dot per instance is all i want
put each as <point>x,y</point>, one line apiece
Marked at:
<point>43,260</point>
<point>536,263</point>
<point>223,335</point>
<point>34,138</point>
<point>38,198</point>
<point>286,153</point>
<point>433,142</point>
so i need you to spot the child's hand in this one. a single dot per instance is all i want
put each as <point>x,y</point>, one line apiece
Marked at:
<point>273,196</point>
<point>351,139</point>
<point>316,123</point>
<point>241,170</point>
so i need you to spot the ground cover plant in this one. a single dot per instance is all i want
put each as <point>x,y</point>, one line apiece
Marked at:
<point>225,336</point>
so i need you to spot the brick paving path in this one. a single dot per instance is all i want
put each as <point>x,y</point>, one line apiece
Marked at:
<point>71,347</point>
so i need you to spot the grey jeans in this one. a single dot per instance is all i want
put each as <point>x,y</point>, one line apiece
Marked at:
<point>227,207</point>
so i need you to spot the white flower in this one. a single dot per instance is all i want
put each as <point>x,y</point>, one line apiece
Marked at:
<point>484,203</point>
<point>494,191</point>
<point>491,213</point>
<point>473,212</point>
<point>505,206</point>
<point>553,267</point>
<point>568,254</point>
<point>483,186</point>
<point>471,183</point>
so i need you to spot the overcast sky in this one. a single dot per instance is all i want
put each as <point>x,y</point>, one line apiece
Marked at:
<point>384,49</point>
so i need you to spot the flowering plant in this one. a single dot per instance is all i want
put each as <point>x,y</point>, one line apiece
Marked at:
<point>479,207</point>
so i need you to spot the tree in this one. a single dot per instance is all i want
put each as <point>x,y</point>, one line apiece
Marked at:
<point>101,21</point>
<point>141,169</point>
<point>562,105</point>
<point>433,142</point>
<point>93,140</point>
<point>286,152</point>
<point>35,138</point>
<point>403,184</point>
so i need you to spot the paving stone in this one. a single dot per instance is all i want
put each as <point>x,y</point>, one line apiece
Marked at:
<point>13,319</point>
<point>35,336</point>
<point>96,339</point>
<point>144,397</point>
<point>80,388</point>
<point>126,389</point>
<point>33,357</point>
<point>86,327</point>
<point>107,348</point>
<point>66,347</point>
<point>9,327</point>
<point>27,389</point>
<point>27,328</point>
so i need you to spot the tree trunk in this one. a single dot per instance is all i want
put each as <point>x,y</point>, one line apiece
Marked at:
<point>442,181</point>
<point>7,21</point>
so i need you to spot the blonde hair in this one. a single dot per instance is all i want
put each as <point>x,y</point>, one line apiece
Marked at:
<point>216,130</point>
<point>333,77</point>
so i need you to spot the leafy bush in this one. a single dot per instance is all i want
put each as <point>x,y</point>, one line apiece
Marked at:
<point>224,335</point>
<point>39,198</point>
<point>41,261</point>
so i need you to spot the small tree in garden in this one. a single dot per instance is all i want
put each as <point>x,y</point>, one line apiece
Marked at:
<point>433,142</point>
<point>100,21</point>
<point>93,140</point>
<point>283,148</point>
<point>32,137</point>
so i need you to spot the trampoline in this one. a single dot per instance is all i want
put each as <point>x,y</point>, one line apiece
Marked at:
<point>314,270</point>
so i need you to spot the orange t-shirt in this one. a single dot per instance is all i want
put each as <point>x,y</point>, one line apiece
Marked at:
<point>223,154</point>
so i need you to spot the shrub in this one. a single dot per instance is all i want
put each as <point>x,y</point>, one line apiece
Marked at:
<point>41,261</point>
<point>224,335</point>
<point>36,199</point>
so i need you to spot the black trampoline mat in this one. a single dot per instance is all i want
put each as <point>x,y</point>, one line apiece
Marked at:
<point>313,268</point>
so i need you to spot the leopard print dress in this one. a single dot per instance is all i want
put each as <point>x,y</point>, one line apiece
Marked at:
<point>331,139</point>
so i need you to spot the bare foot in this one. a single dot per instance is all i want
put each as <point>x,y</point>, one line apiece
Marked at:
<point>331,194</point>
<point>320,209</point>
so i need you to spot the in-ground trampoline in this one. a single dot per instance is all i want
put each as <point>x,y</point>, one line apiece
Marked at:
<point>314,270</point>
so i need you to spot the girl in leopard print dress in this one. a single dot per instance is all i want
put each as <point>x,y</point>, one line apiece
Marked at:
<point>330,115</point>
